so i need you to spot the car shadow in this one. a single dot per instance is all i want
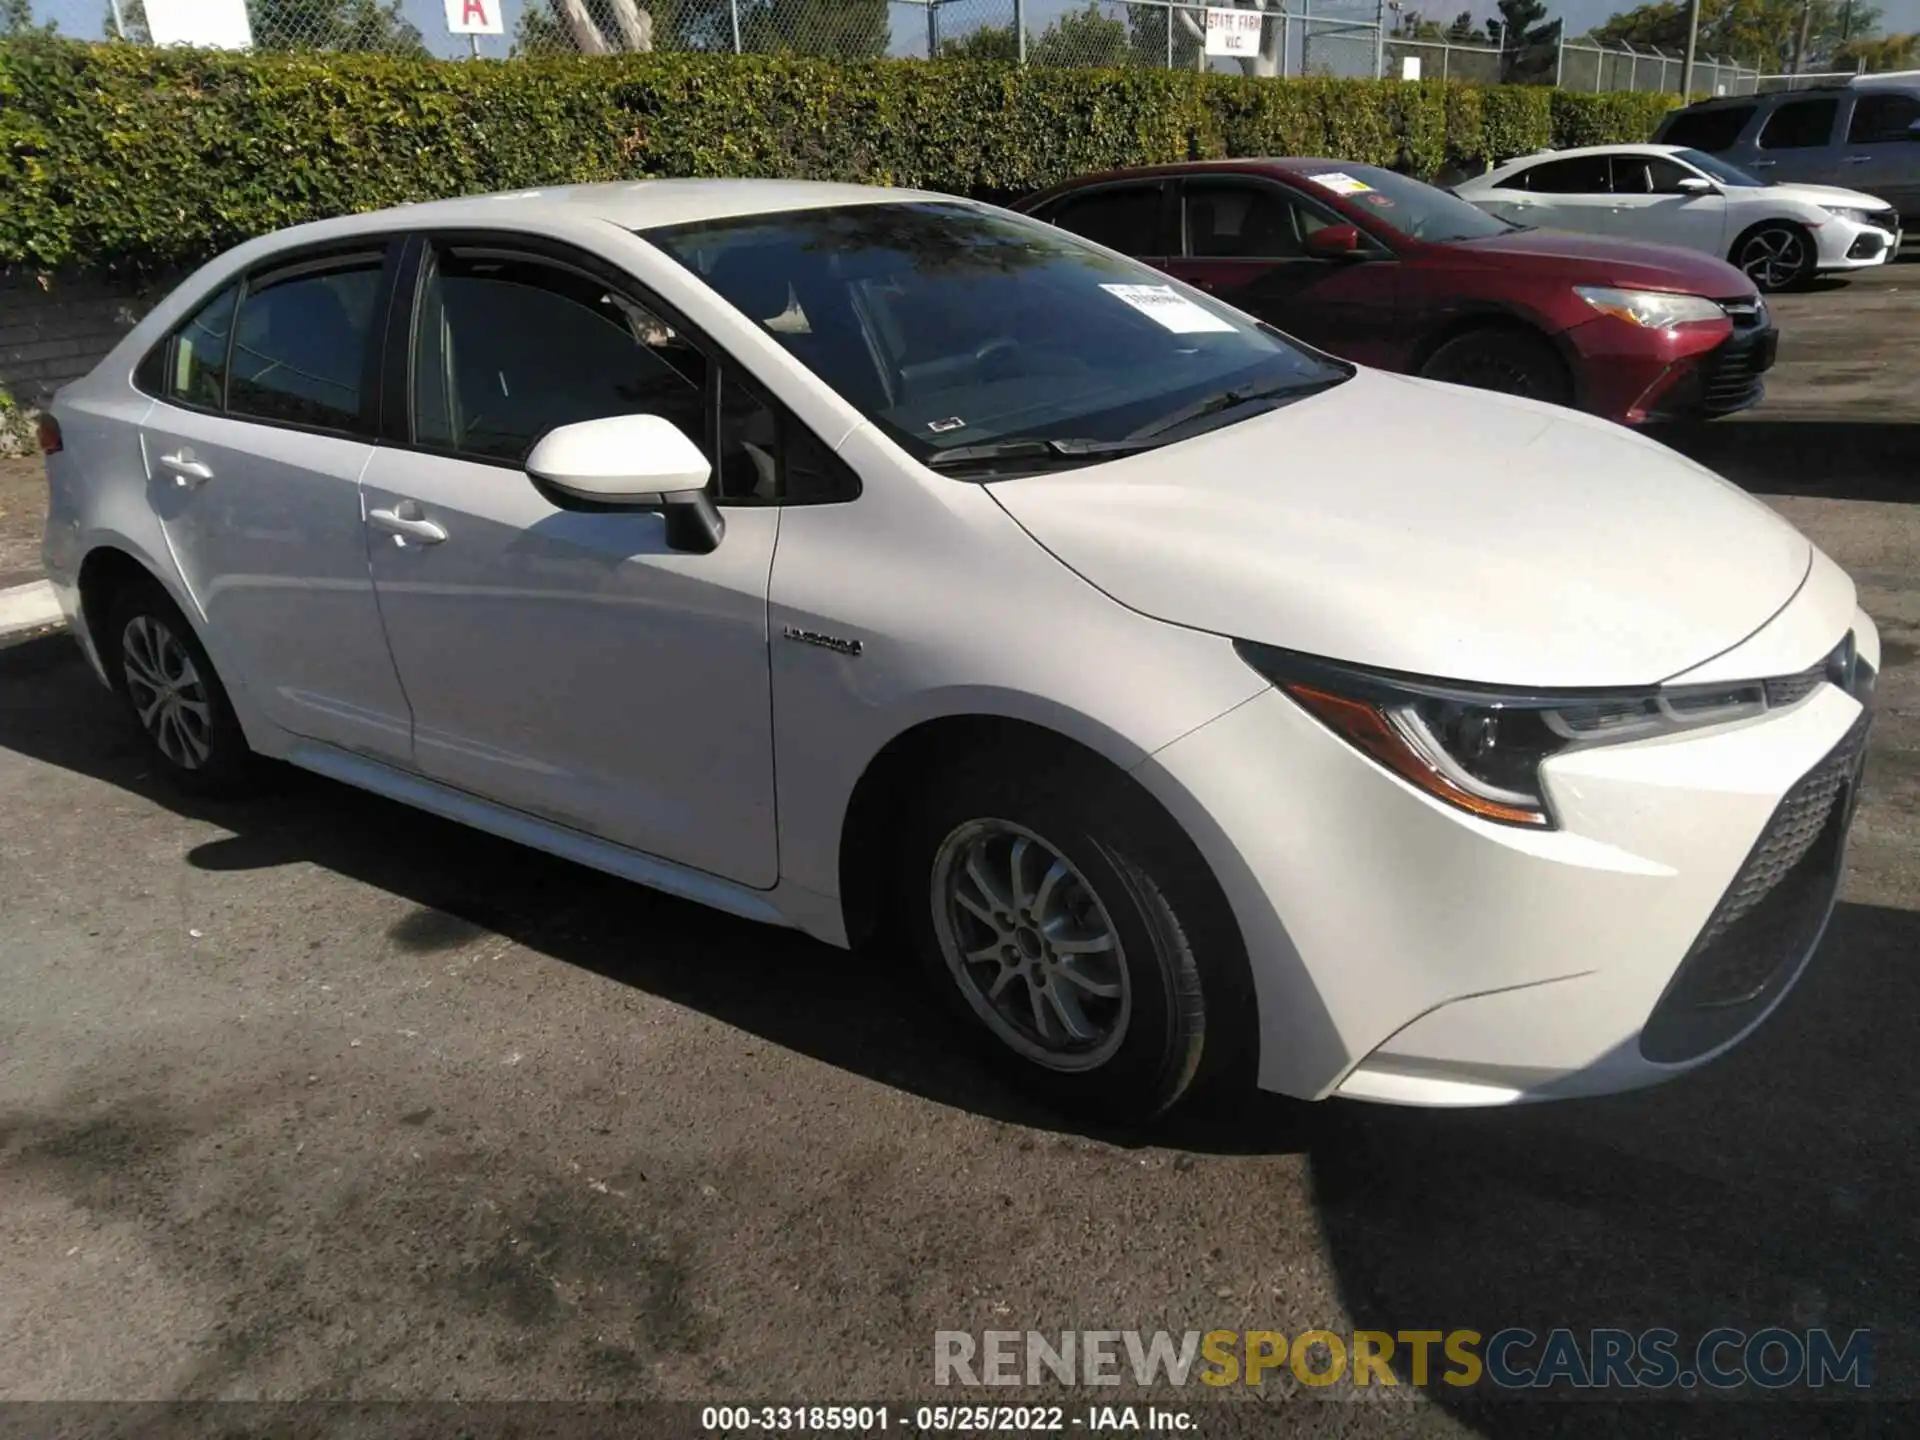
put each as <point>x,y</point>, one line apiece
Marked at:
<point>1772,1188</point>
<point>1838,460</point>
<point>464,885</point>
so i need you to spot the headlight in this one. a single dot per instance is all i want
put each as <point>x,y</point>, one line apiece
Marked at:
<point>1654,309</point>
<point>1881,218</point>
<point>1478,748</point>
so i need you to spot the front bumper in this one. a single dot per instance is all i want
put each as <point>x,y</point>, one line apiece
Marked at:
<point>1405,952</point>
<point>1638,377</point>
<point>1848,245</point>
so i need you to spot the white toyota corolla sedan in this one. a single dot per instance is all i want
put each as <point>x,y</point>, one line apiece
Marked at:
<point>1782,235</point>
<point>885,565</point>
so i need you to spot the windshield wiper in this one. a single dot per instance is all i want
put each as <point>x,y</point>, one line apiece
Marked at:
<point>1034,448</point>
<point>1232,400</point>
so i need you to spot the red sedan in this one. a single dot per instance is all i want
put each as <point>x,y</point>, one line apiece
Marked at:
<point>1386,271</point>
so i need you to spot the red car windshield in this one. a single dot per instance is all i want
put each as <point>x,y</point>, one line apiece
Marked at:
<point>1407,207</point>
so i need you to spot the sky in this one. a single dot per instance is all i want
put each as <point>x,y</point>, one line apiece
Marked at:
<point>84,17</point>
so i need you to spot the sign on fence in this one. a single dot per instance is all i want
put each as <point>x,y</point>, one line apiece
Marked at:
<point>475,17</point>
<point>218,24</point>
<point>1409,67</point>
<point>1233,32</point>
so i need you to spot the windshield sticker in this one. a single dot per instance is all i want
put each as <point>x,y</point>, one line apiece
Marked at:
<point>1175,312</point>
<point>941,427</point>
<point>1341,184</point>
<point>1383,202</point>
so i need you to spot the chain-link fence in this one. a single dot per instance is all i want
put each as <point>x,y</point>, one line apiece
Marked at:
<point>1345,38</point>
<point>1583,65</point>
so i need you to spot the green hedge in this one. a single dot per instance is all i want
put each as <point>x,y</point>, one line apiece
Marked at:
<point>128,159</point>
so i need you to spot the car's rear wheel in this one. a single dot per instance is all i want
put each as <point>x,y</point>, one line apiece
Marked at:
<point>1075,935</point>
<point>162,671</point>
<point>1509,361</point>
<point>1776,256</point>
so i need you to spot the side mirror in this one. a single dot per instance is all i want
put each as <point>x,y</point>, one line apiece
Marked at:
<point>630,462</point>
<point>1334,242</point>
<point>1696,185</point>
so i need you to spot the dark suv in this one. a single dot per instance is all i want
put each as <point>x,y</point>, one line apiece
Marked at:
<point>1861,136</point>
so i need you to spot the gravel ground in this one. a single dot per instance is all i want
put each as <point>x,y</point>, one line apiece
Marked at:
<point>313,1096</point>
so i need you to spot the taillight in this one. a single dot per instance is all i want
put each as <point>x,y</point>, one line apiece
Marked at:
<point>50,441</point>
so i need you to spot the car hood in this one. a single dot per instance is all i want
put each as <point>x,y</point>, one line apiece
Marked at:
<point>1601,260</point>
<point>1407,525</point>
<point>1824,195</point>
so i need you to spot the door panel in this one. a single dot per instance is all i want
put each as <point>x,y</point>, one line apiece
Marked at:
<point>574,666</point>
<point>571,664</point>
<point>265,526</point>
<point>1882,153</point>
<point>264,519</point>
<point>1798,141</point>
<point>1649,205</point>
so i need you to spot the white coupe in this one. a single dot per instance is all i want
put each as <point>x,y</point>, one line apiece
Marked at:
<point>881,564</point>
<point>1781,235</point>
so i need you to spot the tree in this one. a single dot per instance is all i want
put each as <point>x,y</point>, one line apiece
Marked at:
<point>1085,39</point>
<point>989,42</point>
<point>1763,33</point>
<point>16,18</point>
<point>1463,31</point>
<point>1147,27</point>
<point>135,14</point>
<point>840,29</point>
<point>333,25</point>
<point>1529,38</point>
<point>1892,52</point>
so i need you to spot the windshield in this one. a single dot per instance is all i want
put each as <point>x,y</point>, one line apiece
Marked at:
<point>1420,212</point>
<point>954,327</point>
<point>1719,170</point>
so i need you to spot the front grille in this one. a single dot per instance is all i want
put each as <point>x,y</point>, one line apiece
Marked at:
<point>1837,666</point>
<point>1730,375</point>
<point>1769,917</point>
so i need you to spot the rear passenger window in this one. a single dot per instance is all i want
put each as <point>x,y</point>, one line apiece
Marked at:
<point>1799,125</point>
<point>1126,218</point>
<point>301,344</point>
<point>1709,130</point>
<point>1884,117</point>
<point>195,370</point>
<point>1583,175</point>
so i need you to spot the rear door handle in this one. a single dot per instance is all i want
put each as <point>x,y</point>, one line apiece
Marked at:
<point>1857,160</point>
<point>422,532</point>
<point>188,473</point>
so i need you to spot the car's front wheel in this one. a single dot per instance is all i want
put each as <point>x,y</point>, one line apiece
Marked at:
<point>162,671</point>
<point>1503,359</point>
<point>1776,256</point>
<point>1076,935</point>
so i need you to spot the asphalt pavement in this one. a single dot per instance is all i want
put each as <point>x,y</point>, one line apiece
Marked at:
<point>314,1096</point>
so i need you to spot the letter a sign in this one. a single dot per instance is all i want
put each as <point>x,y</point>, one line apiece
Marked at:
<point>475,17</point>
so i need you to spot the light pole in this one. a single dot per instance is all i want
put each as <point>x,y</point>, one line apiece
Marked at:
<point>1693,46</point>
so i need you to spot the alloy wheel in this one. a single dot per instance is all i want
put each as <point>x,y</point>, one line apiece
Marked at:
<point>168,694</point>
<point>1030,945</point>
<point>1773,258</point>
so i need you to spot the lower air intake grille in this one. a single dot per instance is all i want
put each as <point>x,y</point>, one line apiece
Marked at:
<point>1768,918</point>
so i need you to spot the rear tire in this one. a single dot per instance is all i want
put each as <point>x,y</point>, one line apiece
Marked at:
<point>1777,255</point>
<point>1511,362</point>
<point>1075,934</point>
<point>163,673</point>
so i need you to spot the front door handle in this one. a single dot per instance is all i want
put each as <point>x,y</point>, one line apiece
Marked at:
<point>1857,160</point>
<point>408,527</point>
<point>188,473</point>
<point>1764,164</point>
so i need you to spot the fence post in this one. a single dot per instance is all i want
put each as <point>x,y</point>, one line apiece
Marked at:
<point>1379,38</point>
<point>1559,56</point>
<point>733,13</point>
<point>1171,17</point>
<point>1020,31</point>
<point>933,29</point>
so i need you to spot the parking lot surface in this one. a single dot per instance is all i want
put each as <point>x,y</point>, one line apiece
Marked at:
<point>315,1096</point>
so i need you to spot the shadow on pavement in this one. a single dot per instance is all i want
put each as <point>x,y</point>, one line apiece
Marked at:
<point>848,1010</point>
<point>1774,1188</point>
<point>1840,460</point>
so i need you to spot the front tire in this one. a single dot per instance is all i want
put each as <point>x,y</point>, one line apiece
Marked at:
<point>1509,361</point>
<point>1076,936</point>
<point>1776,256</point>
<point>171,689</point>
